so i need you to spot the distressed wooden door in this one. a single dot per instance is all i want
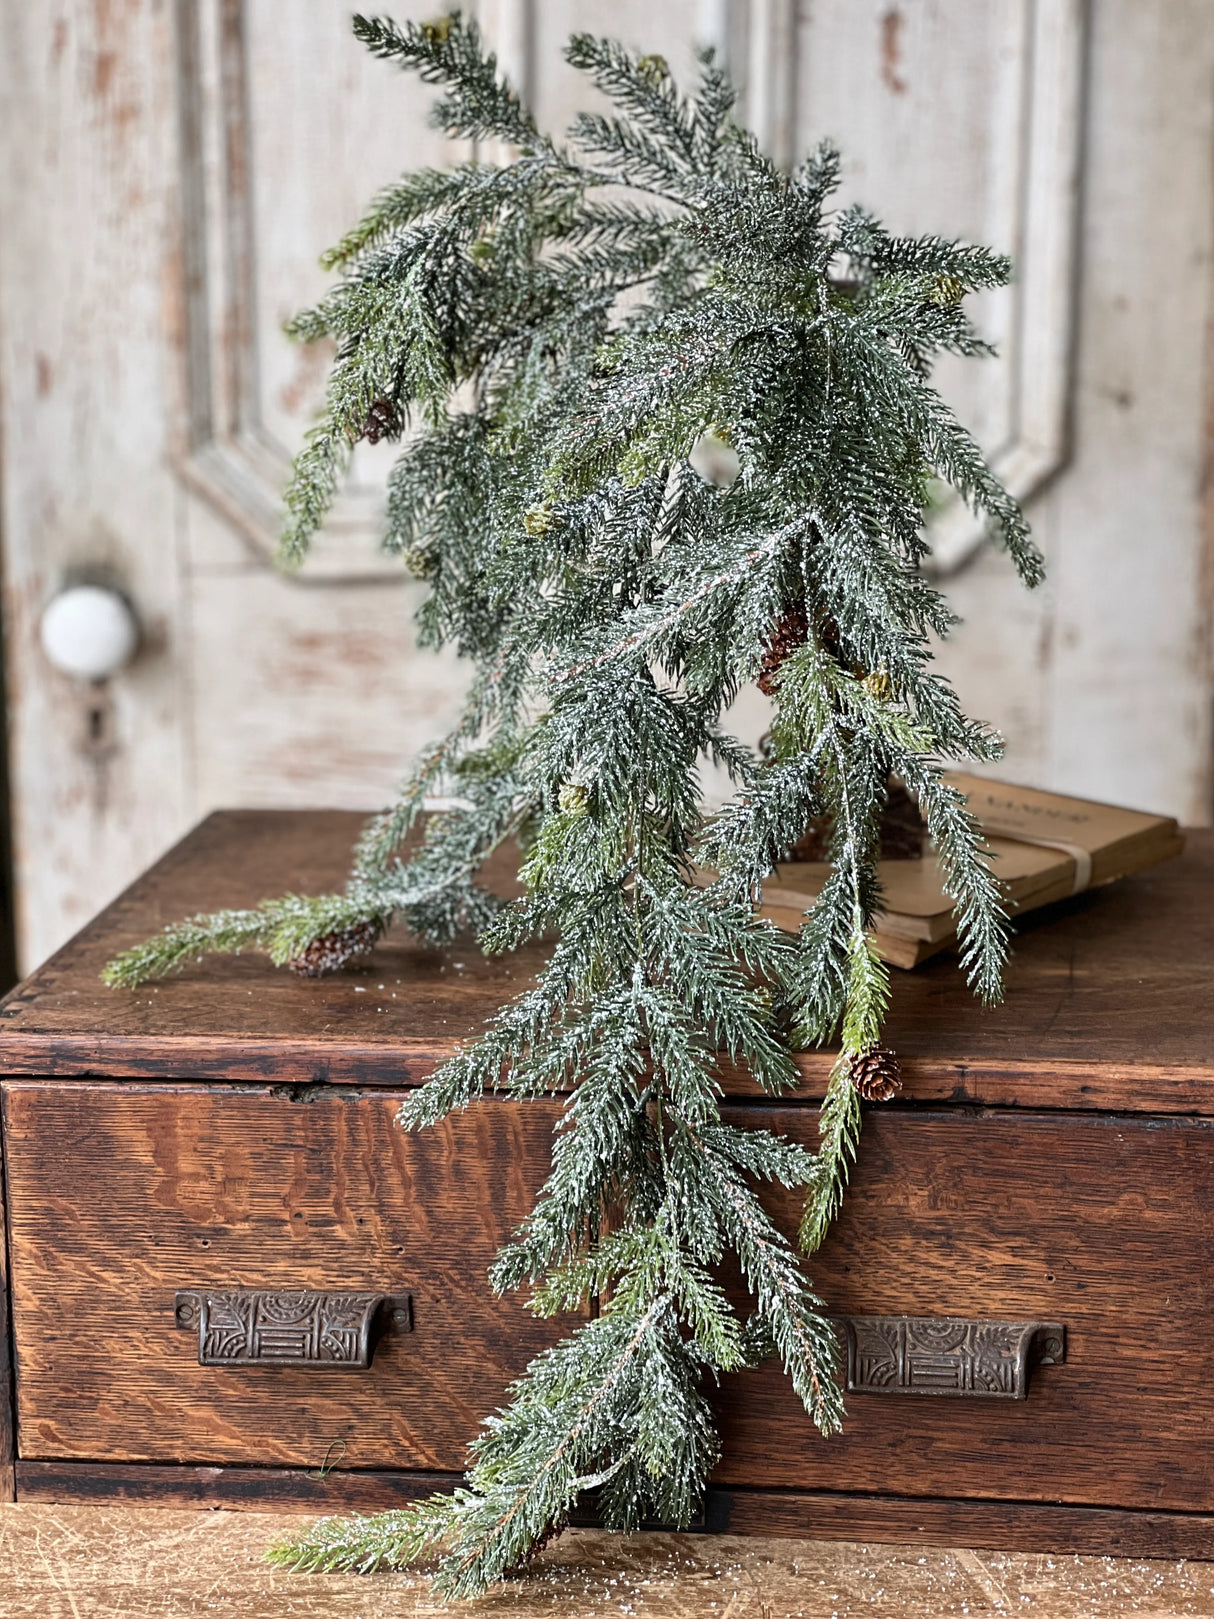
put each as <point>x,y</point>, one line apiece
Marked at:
<point>171,170</point>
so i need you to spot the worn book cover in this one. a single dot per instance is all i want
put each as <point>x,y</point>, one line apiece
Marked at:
<point>1045,846</point>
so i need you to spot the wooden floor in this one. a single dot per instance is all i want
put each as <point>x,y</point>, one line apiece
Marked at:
<point>115,1562</point>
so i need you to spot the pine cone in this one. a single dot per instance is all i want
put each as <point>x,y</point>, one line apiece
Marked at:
<point>947,290</point>
<point>539,519</point>
<point>573,798</point>
<point>382,421</point>
<point>879,685</point>
<point>331,951</point>
<point>553,1531</point>
<point>903,830</point>
<point>789,634</point>
<point>875,1074</point>
<point>419,563</point>
<point>814,842</point>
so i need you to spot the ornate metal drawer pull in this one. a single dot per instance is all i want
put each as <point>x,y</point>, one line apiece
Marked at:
<point>919,1354</point>
<point>290,1329</point>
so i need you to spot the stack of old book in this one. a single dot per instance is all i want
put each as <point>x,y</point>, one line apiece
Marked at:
<point>1045,847</point>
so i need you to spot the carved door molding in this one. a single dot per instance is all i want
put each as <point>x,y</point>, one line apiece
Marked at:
<point>230,457</point>
<point>238,465</point>
<point>1041,350</point>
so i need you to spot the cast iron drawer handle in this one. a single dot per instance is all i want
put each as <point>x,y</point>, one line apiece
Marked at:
<point>290,1329</point>
<point>921,1354</point>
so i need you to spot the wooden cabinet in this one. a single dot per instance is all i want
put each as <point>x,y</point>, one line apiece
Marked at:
<point>232,1131</point>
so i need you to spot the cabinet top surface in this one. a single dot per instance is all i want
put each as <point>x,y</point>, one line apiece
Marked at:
<point>1108,1002</point>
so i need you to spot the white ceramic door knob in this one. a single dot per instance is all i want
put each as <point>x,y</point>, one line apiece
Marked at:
<point>89,632</point>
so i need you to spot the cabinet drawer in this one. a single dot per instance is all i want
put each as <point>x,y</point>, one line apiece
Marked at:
<point>122,1195</point>
<point>1104,1224</point>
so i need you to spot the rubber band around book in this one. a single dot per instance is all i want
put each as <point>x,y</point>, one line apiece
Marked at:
<point>1082,857</point>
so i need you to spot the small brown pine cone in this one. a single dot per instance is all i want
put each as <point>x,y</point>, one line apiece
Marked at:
<point>875,1074</point>
<point>789,633</point>
<point>879,685</point>
<point>381,422</point>
<point>536,1547</point>
<point>814,842</point>
<point>653,69</point>
<point>331,951</point>
<point>903,829</point>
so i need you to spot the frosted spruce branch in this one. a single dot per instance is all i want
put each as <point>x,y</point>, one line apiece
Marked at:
<point>551,341</point>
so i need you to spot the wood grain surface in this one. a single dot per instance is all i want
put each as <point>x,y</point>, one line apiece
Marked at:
<point>119,1195</point>
<point>929,1521</point>
<point>250,1489</point>
<point>1109,1000</point>
<point>8,1438</point>
<point>1104,1224</point>
<point>796,1514</point>
<point>66,1562</point>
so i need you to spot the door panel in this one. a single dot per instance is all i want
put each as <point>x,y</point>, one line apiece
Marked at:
<point>175,170</point>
